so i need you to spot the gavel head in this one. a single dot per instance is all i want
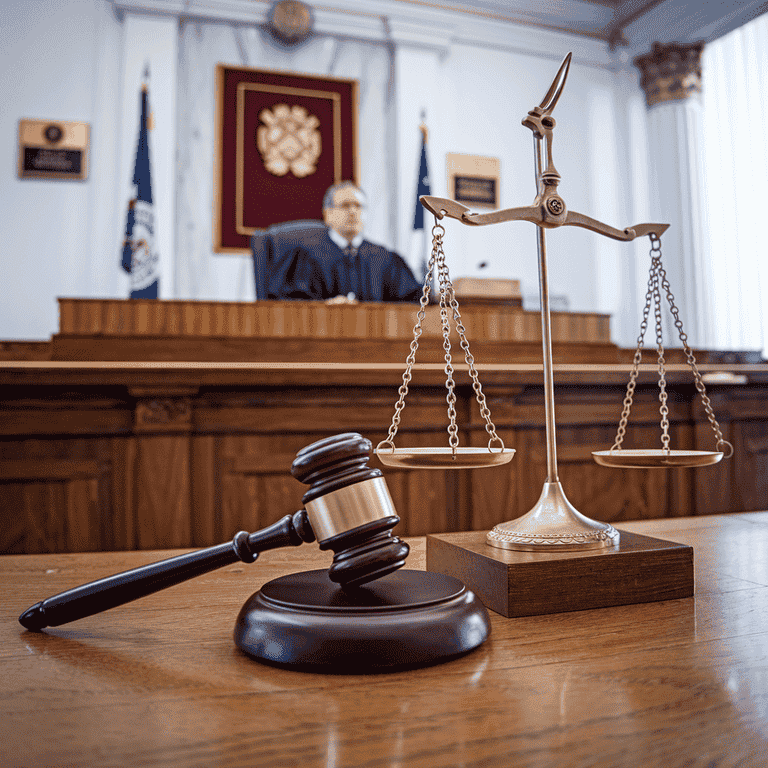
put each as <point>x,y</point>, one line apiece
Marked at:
<point>349,508</point>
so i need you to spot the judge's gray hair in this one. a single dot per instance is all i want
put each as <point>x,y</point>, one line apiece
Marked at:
<point>332,190</point>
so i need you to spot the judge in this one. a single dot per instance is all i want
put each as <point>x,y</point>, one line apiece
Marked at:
<point>336,262</point>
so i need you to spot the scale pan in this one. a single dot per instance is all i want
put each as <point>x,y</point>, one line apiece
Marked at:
<point>444,458</point>
<point>655,457</point>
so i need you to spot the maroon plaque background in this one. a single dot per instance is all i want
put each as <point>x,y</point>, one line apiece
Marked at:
<point>249,197</point>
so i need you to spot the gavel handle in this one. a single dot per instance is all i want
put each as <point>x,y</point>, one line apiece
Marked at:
<point>88,599</point>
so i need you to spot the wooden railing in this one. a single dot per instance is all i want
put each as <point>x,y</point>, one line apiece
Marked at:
<point>315,319</point>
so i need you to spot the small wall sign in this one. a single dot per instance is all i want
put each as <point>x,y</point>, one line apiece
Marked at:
<point>53,149</point>
<point>474,180</point>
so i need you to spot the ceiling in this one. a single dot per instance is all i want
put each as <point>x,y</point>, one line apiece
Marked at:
<point>623,23</point>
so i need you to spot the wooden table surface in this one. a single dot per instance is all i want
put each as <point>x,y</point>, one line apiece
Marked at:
<point>159,682</point>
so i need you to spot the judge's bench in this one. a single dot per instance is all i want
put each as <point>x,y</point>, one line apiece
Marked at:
<point>151,424</point>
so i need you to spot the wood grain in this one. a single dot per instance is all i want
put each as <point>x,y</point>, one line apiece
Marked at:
<point>162,492</point>
<point>641,569</point>
<point>673,684</point>
<point>183,454</point>
<point>112,329</point>
<point>313,319</point>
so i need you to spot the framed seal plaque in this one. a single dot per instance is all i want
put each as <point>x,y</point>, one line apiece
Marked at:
<point>282,140</point>
<point>53,149</point>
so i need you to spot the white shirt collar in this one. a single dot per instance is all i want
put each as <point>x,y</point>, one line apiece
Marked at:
<point>356,242</point>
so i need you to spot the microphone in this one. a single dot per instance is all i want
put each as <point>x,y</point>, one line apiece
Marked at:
<point>347,509</point>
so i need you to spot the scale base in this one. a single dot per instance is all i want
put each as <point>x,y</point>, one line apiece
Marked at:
<point>640,569</point>
<point>553,524</point>
<point>406,619</point>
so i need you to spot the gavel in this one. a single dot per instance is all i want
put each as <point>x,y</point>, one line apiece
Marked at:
<point>347,510</point>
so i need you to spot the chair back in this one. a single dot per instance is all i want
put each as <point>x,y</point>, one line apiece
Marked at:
<point>270,247</point>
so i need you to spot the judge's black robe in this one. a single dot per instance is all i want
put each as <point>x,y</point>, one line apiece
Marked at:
<point>307,264</point>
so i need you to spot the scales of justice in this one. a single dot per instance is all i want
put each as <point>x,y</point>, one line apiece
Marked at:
<point>368,613</point>
<point>553,525</point>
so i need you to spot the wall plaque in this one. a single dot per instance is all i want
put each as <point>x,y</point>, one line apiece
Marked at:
<point>282,140</point>
<point>474,190</point>
<point>474,180</point>
<point>53,149</point>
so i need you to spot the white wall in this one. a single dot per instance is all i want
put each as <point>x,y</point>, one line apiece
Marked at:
<point>75,60</point>
<point>49,69</point>
<point>487,94</point>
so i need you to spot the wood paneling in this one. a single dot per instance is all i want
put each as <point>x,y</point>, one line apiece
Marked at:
<point>743,417</point>
<point>314,319</point>
<point>143,329</point>
<point>194,469</point>
<point>162,423</point>
<point>163,492</point>
<point>57,498</point>
<point>25,350</point>
<point>124,512</point>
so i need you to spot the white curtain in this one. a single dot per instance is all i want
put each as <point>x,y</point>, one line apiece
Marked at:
<point>735,115</point>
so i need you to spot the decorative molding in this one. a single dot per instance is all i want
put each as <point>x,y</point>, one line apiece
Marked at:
<point>631,25</point>
<point>163,390</point>
<point>357,26</point>
<point>430,26</point>
<point>757,445</point>
<point>163,415</point>
<point>159,7</point>
<point>555,541</point>
<point>670,72</point>
<point>414,32</point>
<point>544,43</point>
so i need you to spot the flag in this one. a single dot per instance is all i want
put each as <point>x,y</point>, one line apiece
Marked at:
<point>422,187</point>
<point>140,259</point>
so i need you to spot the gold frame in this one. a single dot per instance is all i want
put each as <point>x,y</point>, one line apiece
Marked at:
<point>219,131</point>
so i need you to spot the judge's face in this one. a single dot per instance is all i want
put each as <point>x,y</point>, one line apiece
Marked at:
<point>346,215</point>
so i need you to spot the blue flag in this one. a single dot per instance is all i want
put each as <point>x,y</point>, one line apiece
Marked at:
<point>422,188</point>
<point>140,258</point>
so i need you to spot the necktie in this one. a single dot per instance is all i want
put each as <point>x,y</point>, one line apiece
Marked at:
<point>350,252</point>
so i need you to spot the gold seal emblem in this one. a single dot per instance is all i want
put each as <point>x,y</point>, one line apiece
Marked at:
<point>289,140</point>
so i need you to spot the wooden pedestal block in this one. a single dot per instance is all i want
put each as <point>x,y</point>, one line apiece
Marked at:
<point>640,570</point>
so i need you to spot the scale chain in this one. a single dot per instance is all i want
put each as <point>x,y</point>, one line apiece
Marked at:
<point>656,281</point>
<point>664,410</point>
<point>417,331</point>
<point>628,398</point>
<point>699,382</point>
<point>437,265</point>
<point>447,290</point>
